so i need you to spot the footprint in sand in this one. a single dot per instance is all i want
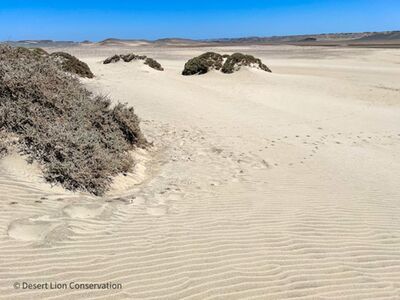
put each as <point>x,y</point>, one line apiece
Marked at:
<point>157,210</point>
<point>33,229</point>
<point>85,211</point>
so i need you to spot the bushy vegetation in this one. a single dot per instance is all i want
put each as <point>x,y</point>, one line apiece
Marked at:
<point>112,59</point>
<point>3,145</point>
<point>65,61</point>
<point>80,140</point>
<point>131,56</point>
<point>236,61</point>
<point>152,63</point>
<point>203,63</point>
<point>225,63</point>
<point>71,64</point>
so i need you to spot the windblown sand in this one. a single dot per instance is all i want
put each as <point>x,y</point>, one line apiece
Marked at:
<point>259,186</point>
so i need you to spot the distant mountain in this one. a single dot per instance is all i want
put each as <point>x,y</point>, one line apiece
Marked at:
<point>388,38</point>
<point>382,36</point>
<point>118,42</point>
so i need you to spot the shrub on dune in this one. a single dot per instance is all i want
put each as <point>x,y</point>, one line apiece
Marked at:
<point>3,144</point>
<point>152,63</point>
<point>39,51</point>
<point>112,59</point>
<point>79,139</point>
<point>225,63</point>
<point>236,61</point>
<point>203,63</point>
<point>131,56</point>
<point>72,65</point>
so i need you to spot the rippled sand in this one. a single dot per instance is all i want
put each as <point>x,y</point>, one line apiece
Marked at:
<point>259,186</point>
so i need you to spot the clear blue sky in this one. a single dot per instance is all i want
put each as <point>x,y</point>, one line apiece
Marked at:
<point>96,20</point>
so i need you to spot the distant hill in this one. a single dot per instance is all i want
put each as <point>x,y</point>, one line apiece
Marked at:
<point>118,42</point>
<point>362,39</point>
<point>382,36</point>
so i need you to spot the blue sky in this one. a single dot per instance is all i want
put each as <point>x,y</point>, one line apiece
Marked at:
<point>97,20</point>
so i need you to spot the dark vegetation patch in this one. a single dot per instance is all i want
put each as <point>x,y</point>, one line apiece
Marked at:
<point>80,140</point>
<point>112,59</point>
<point>152,63</point>
<point>203,63</point>
<point>3,144</point>
<point>65,61</point>
<point>71,64</point>
<point>225,63</point>
<point>131,56</point>
<point>234,62</point>
<point>39,51</point>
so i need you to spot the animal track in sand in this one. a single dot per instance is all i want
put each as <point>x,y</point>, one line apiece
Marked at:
<point>34,229</point>
<point>311,145</point>
<point>157,210</point>
<point>85,211</point>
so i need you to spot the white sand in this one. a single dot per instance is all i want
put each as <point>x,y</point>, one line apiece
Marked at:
<point>259,186</point>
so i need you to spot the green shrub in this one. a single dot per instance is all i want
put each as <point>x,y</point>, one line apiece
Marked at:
<point>203,63</point>
<point>131,56</point>
<point>225,63</point>
<point>112,59</point>
<point>152,63</point>
<point>71,64</point>
<point>236,61</point>
<point>81,141</point>
<point>39,51</point>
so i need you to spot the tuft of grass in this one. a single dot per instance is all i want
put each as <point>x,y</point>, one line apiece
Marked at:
<point>80,140</point>
<point>203,63</point>
<point>71,64</point>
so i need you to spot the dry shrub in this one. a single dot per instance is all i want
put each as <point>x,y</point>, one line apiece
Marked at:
<point>152,63</point>
<point>71,64</point>
<point>225,63</point>
<point>112,59</point>
<point>236,61</point>
<point>203,63</point>
<point>81,141</point>
<point>131,56</point>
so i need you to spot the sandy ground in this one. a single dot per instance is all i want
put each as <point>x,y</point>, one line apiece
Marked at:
<point>259,186</point>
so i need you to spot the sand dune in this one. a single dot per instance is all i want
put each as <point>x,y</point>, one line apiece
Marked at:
<point>259,185</point>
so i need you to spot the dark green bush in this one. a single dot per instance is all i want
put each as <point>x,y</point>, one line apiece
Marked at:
<point>152,63</point>
<point>236,61</point>
<point>112,59</point>
<point>225,63</point>
<point>203,63</point>
<point>71,64</point>
<point>131,56</point>
<point>78,138</point>
<point>39,51</point>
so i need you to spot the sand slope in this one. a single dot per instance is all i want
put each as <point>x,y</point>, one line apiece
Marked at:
<point>259,186</point>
